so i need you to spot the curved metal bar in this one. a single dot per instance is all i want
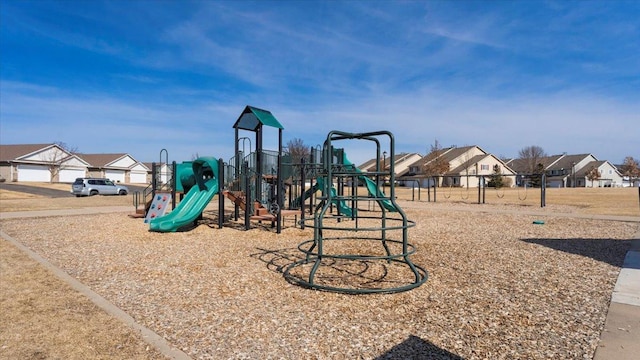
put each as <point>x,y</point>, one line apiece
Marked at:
<point>411,249</point>
<point>421,277</point>
<point>391,219</point>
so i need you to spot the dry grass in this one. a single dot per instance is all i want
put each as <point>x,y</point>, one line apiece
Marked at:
<point>602,201</point>
<point>43,318</point>
<point>499,287</point>
<point>11,201</point>
<point>6,195</point>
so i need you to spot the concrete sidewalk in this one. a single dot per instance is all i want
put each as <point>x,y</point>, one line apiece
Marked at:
<point>620,339</point>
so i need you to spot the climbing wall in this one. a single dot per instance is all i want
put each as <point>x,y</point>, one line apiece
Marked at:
<point>158,206</point>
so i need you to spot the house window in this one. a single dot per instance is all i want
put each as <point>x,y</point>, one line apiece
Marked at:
<point>484,167</point>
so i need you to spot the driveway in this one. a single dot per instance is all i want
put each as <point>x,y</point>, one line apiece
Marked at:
<point>35,190</point>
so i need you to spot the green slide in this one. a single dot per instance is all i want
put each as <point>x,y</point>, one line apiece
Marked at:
<point>185,178</point>
<point>194,202</point>
<point>344,209</point>
<point>373,189</point>
<point>297,202</point>
<point>341,204</point>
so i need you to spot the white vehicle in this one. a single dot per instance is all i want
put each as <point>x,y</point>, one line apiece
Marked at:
<point>95,186</point>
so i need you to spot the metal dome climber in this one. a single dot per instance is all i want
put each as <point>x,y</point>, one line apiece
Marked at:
<point>339,257</point>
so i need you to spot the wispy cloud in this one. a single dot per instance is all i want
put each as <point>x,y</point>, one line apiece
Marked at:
<point>107,124</point>
<point>138,78</point>
<point>489,73</point>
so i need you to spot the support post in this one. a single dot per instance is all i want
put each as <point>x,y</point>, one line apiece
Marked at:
<point>543,191</point>
<point>302,191</point>
<point>247,206</point>
<point>154,179</point>
<point>437,181</point>
<point>484,190</point>
<point>236,177</point>
<point>174,183</point>
<point>280,184</point>
<point>220,176</point>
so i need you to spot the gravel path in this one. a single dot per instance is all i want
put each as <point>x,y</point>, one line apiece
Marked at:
<point>500,287</point>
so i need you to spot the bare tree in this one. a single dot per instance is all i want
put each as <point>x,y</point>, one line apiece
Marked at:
<point>531,157</point>
<point>297,149</point>
<point>631,168</point>
<point>593,175</point>
<point>55,158</point>
<point>436,164</point>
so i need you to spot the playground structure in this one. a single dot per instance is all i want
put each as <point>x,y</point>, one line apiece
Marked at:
<point>174,181</point>
<point>385,224</point>
<point>257,183</point>
<point>247,185</point>
<point>206,174</point>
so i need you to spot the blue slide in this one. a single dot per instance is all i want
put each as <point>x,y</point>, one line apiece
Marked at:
<point>194,202</point>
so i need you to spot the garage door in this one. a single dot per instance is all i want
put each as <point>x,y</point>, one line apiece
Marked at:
<point>138,177</point>
<point>70,175</point>
<point>33,173</point>
<point>115,175</point>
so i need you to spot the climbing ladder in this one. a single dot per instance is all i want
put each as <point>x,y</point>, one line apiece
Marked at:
<point>161,201</point>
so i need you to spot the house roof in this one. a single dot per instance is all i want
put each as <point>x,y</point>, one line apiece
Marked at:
<point>367,164</point>
<point>456,152</point>
<point>101,160</point>
<point>584,171</point>
<point>567,161</point>
<point>429,157</point>
<point>447,154</point>
<point>467,164</point>
<point>370,165</point>
<point>13,152</point>
<point>521,165</point>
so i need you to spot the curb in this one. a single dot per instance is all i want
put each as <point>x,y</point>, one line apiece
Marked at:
<point>620,338</point>
<point>153,339</point>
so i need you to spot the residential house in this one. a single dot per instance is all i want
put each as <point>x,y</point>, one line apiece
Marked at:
<point>40,163</point>
<point>568,170</point>
<point>610,176</point>
<point>555,168</point>
<point>401,163</point>
<point>573,171</point>
<point>467,165</point>
<point>120,167</point>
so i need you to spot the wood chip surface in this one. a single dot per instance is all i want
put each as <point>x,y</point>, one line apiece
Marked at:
<point>499,287</point>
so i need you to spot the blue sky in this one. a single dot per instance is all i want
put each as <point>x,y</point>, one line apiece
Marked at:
<point>140,76</point>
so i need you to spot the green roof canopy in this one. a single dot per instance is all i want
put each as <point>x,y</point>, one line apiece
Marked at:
<point>252,117</point>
